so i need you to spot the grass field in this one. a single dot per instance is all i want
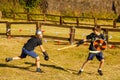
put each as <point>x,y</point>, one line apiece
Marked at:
<point>70,59</point>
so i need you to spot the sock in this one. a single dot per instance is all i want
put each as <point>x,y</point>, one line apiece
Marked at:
<point>81,69</point>
<point>99,69</point>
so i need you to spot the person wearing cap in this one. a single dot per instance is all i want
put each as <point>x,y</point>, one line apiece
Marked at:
<point>95,35</point>
<point>28,50</point>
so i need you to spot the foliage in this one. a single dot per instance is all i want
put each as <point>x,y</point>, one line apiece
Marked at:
<point>44,6</point>
<point>97,8</point>
<point>29,4</point>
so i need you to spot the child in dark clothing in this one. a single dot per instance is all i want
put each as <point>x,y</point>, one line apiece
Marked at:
<point>28,49</point>
<point>96,35</point>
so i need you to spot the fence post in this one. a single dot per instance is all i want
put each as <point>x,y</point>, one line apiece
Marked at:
<point>14,15</point>
<point>44,17</point>
<point>61,21</point>
<point>0,15</point>
<point>77,20</point>
<point>38,26</point>
<point>8,30</point>
<point>72,35</point>
<point>105,32</point>
<point>28,12</point>
<point>28,16</point>
<point>95,21</point>
<point>114,23</point>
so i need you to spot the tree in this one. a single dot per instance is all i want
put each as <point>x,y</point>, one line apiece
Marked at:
<point>28,4</point>
<point>44,6</point>
<point>114,7</point>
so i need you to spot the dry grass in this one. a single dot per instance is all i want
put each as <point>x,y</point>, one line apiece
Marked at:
<point>69,58</point>
<point>23,29</point>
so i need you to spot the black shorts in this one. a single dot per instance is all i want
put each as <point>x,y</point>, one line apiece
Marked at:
<point>99,56</point>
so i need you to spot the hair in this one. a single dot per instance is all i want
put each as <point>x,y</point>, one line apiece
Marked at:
<point>97,28</point>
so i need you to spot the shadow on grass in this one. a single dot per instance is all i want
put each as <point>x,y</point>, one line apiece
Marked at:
<point>12,66</point>
<point>89,73</point>
<point>51,66</point>
<point>46,65</point>
<point>33,64</point>
<point>18,67</point>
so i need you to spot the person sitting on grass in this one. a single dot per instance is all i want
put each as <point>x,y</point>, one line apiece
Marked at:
<point>28,49</point>
<point>95,35</point>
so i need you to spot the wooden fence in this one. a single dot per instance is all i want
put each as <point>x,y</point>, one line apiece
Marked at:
<point>3,22</point>
<point>57,19</point>
<point>8,28</point>
<point>72,31</point>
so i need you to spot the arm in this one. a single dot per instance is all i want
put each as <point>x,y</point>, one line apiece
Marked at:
<point>81,42</point>
<point>42,49</point>
<point>46,57</point>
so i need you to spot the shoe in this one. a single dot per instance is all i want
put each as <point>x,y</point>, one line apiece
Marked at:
<point>39,70</point>
<point>100,72</point>
<point>8,59</point>
<point>80,72</point>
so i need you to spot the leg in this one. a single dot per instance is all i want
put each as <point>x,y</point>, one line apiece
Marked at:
<point>23,55</point>
<point>101,59</point>
<point>38,64</point>
<point>84,64</point>
<point>17,58</point>
<point>14,58</point>
<point>101,63</point>
<point>34,55</point>
<point>99,69</point>
<point>90,57</point>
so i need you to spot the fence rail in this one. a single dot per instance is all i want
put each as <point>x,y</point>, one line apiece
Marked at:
<point>8,28</point>
<point>72,36</point>
<point>58,19</point>
<point>72,30</point>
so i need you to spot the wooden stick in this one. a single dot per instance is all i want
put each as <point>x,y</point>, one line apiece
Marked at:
<point>67,47</point>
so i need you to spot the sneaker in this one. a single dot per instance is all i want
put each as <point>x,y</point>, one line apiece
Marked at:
<point>8,59</point>
<point>80,72</point>
<point>39,70</point>
<point>100,72</point>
